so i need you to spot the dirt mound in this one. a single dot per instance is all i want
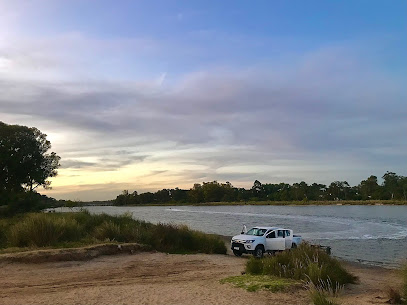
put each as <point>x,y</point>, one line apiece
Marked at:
<point>73,254</point>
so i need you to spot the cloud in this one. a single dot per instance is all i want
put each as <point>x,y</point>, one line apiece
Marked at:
<point>313,116</point>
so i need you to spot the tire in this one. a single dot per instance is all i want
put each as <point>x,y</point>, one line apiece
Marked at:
<point>259,251</point>
<point>294,246</point>
<point>237,253</point>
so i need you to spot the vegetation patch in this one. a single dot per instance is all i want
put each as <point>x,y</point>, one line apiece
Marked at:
<point>261,282</point>
<point>65,230</point>
<point>404,288</point>
<point>305,263</point>
<point>321,297</point>
<point>395,295</point>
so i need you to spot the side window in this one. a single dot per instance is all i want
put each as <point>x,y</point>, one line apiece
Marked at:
<point>271,235</point>
<point>280,233</point>
<point>287,232</point>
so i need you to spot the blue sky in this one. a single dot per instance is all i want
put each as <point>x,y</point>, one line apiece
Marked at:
<point>152,94</point>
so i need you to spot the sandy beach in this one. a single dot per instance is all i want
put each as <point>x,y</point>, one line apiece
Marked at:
<point>159,278</point>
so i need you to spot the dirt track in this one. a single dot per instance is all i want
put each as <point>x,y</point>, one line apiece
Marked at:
<point>157,278</point>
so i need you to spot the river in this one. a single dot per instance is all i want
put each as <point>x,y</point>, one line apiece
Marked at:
<point>368,234</point>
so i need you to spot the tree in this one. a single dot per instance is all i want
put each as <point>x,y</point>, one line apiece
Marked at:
<point>391,184</point>
<point>258,189</point>
<point>24,161</point>
<point>196,194</point>
<point>369,188</point>
<point>338,190</point>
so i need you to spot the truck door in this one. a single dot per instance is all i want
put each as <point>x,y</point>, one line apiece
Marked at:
<point>275,242</point>
<point>288,239</point>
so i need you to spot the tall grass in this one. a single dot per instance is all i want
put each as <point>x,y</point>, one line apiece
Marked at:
<point>59,229</point>
<point>404,287</point>
<point>37,230</point>
<point>306,263</point>
<point>320,297</point>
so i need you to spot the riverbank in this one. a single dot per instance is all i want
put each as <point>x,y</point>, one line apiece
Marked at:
<point>159,278</point>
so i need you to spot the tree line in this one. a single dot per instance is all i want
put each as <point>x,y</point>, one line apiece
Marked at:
<point>394,187</point>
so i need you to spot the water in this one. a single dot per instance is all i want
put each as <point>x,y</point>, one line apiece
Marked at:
<point>369,234</point>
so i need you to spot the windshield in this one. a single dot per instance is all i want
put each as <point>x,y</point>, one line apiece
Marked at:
<point>256,232</point>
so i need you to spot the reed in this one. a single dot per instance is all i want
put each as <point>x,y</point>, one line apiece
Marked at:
<point>306,263</point>
<point>60,229</point>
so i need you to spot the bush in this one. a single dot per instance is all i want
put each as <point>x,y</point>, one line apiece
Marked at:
<point>57,229</point>
<point>3,233</point>
<point>305,263</point>
<point>42,230</point>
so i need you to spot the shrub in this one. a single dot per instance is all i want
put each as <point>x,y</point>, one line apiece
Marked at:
<point>57,229</point>
<point>394,296</point>
<point>180,239</point>
<point>3,233</point>
<point>108,230</point>
<point>304,263</point>
<point>254,266</point>
<point>42,230</point>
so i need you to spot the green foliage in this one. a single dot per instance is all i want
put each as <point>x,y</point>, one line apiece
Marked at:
<point>394,295</point>
<point>320,297</point>
<point>3,233</point>
<point>24,162</point>
<point>254,266</point>
<point>394,188</point>
<point>305,263</point>
<point>404,287</point>
<point>260,282</point>
<point>40,230</point>
<point>60,229</point>
<point>24,166</point>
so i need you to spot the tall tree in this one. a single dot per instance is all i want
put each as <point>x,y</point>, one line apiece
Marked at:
<point>24,161</point>
<point>369,188</point>
<point>391,183</point>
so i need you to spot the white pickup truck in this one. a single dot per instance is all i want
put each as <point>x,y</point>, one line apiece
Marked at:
<point>259,240</point>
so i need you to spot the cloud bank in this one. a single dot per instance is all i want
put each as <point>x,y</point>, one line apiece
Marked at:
<point>331,113</point>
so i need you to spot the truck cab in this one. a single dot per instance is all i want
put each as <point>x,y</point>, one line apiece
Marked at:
<point>260,240</point>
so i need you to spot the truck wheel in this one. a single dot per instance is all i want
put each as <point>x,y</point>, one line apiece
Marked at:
<point>259,251</point>
<point>293,246</point>
<point>237,253</point>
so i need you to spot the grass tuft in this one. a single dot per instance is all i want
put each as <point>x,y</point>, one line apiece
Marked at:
<point>306,263</point>
<point>394,296</point>
<point>260,282</point>
<point>320,297</point>
<point>404,277</point>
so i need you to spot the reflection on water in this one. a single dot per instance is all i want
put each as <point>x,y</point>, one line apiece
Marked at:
<point>371,234</point>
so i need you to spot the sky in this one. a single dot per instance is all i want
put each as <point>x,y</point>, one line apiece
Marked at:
<point>145,95</point>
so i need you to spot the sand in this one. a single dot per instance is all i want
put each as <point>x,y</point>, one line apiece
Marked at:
<point>159,278</point>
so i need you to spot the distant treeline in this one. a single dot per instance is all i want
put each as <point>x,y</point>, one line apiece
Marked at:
<point>394,187</point>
